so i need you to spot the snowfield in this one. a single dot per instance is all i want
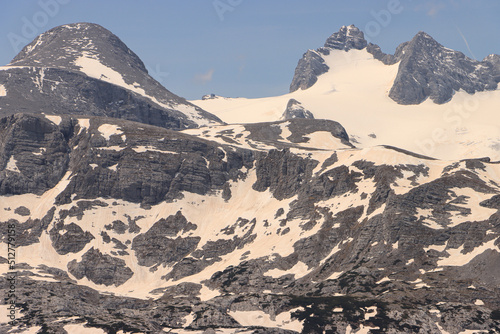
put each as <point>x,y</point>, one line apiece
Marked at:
<point>354,92</point>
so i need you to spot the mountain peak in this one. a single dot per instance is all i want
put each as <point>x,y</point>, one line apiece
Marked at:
<point>347,38</point>
<point>63,45</point>
<point>89,55</point>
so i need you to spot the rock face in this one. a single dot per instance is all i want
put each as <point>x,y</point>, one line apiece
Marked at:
<point>346,38</point>
<point>429,70</point>
<point>310,66</point>
<point>294,109</point>
<point>84,69</point>
<point>426,68</point>
<point>100,269</point>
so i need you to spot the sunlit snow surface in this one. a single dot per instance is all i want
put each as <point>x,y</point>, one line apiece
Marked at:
<point>354,92</point>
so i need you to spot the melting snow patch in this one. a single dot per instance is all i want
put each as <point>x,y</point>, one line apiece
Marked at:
<point>385,279</point>
<point>457,258</point>
<point>299,270</point>
<point>207,293</point>
<point>12,165</point>
<point>189,319</point>
<point>365,330</point>
<point>107,130</point>
<point>336,275</point>
<point>84,123</point>
<point>262,319</point>
<point>80,329</point>
<point>438,248</point>
<point>54,119</point>
<point>3,91</point>
<point>479,302</point>
<point>370,312</point>
<point>142,149</point>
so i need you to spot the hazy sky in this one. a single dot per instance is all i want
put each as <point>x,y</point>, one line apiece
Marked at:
<point>250,48</point>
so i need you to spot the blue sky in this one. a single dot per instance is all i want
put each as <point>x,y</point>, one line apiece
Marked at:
<point>250,48</point>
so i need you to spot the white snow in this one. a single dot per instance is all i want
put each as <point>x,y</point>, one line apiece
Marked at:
<point>479,302</point>
<point>84,123</point>
<point>54,119</point>
<point>207,293</point>
<point>457,258</point>
<point>385,279</point>
<point>354,92</point>
<point>80,329</point>
<point>370,312</point>
<point>323,140</point>
<point>3,91</point>
<point>189,319</point>
<point>299,270</point>
<point>142,149</point>
<point>107,130</point>
<point>262,319</point>
<point>473,198</point>
<point>438,248</point>
<point>365,329</point>
<point>335,275</point>
<point>12,165</point>
<point>91,65</point>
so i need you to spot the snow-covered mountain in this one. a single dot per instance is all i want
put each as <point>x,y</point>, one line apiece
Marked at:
<point>355,84</point>
<point>84,69</point>
<point>284,226</point>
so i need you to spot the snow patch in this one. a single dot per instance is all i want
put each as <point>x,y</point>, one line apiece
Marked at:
<point>262,319</point>
<point>3,91</point>
<point>457,258</point>
<point>299,270</point>
<point>80,329</point>
<point>54,119</point>
<point>107,130</point>
<point>12,165</point>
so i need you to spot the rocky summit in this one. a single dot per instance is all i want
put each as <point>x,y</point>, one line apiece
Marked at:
<point>426,68</point>
<point>126,223</point>
<point>84,69</point>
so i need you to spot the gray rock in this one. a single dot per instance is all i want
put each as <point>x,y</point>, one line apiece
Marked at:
<point>294,109</point>
<point>39,150</point>
<point>310,66</point>
<point>160,245</point>
<point>429,70</point>
<point>100,268</point>
<point>69,238</point>
<point>347,38</point>
<point>22,211</point>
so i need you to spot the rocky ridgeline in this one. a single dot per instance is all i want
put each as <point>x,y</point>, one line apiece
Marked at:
<point>426,68</point>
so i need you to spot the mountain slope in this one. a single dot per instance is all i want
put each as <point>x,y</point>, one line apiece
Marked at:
<point>296,240</point>
<point>84,69</point>
<point>426,68</point>
<point>355,90</point>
